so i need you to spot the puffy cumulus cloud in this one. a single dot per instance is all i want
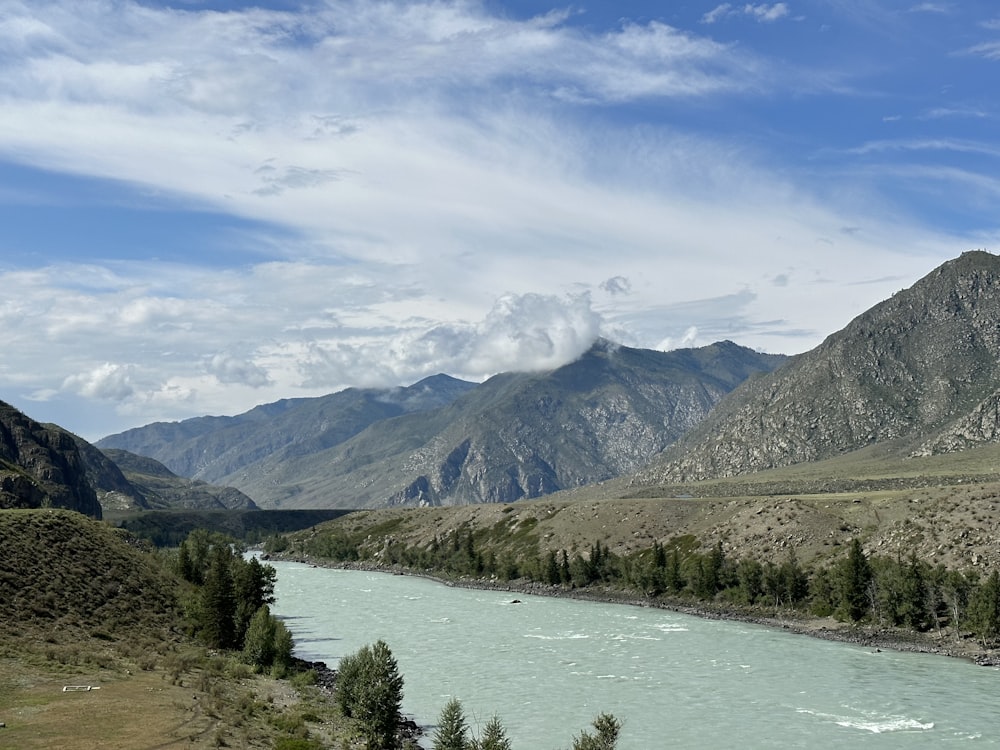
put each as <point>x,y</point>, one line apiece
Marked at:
<point>524,333</point>
<point>537,332</point>
<point>688,339</point>
<point>109,381</point>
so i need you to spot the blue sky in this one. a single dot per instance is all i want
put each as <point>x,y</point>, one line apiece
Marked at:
<point>211,205</point>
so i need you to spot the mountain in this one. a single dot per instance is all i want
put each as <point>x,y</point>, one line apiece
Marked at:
<point>161,489</point>
<point>41,467</point>
<point>920,371</point>
<point>113,488</point>
<point>517,435</point>
<point>213,448</point>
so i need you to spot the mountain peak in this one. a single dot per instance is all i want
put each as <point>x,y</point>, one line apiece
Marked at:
<point>909,367</point>
<point>40,467</point>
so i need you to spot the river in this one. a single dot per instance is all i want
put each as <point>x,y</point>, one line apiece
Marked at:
<point>548,666</point>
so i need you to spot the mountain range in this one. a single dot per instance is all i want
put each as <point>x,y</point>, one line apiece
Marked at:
<point>443,441</point>
<point>919,372</point>
<point>916,375</point>
<point>45,466</point>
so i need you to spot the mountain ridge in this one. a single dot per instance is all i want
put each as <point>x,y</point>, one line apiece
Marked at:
<point>916,368</point>
<point>515,435</point>
<point>41,466</point>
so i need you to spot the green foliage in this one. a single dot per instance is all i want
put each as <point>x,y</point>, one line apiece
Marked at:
<point>853,580</point>
<point>494,736</point>
<point>452,730</point>
<point>984,610</point>
<point>607,728</point>
<point>283,647</point>
<point>259,644</point>
<point>232,589</point>
<point>217,623</point>
<point>370,691</point>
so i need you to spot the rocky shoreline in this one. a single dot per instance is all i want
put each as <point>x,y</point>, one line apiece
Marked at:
<point>941,643</point>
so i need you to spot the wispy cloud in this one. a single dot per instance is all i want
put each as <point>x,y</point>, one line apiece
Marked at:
<point>930,8</point>
<point>989,50</point>
<point>761,12</point>
<point>424,186</point>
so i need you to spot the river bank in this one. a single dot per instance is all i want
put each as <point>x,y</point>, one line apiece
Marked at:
<point>942,642</point>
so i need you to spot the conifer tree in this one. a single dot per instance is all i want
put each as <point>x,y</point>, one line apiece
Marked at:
<point>370,690</point>
<point>984,610</point>
<point>854,576</point>
<point>606,738</point>
<point>452,730</point>
<point>494,736</point>
<point>218,605</point>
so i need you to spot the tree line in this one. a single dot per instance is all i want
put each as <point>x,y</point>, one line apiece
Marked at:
<point>227,604</point>
<point>888,591</point>
<point>369,690</point>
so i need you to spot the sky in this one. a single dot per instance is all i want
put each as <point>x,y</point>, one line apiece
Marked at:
<point>211,205</point>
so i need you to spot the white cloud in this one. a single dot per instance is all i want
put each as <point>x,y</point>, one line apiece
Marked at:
<point>107,382</point>
<point>456,193</point>
<point>766,13</point>
<point>989,50</point>
<point>762,12</point>
<point>717,13</point>
<point>521,332</point>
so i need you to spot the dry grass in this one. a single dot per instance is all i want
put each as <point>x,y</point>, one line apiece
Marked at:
<point>944,508</point>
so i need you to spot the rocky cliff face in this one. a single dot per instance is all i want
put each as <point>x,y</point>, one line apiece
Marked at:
<point>921,367</point>
<point>518,435</point>
<point>41,467</point>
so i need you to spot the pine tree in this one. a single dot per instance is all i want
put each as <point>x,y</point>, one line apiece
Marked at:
<point>552,575</point>
<point>218,605</point>
<point>608,728</point>
<point>672,576</point>
<point>494,736</point>
<point>984,610</point>
<point>253,587</point>
<point>452,730</point>
<point>854,577</point>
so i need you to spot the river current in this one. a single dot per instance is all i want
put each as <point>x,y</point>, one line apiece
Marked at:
<point>548,666</point>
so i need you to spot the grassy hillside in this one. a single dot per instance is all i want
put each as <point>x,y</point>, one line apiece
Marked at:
<point>86,605</point>
<point>64,573</point>
<point>945,508</point>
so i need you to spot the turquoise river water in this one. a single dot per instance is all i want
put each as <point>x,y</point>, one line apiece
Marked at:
<point>548,666</point>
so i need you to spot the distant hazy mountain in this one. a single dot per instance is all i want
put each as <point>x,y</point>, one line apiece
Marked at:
<point>214,448</point>
<point>161,489</point>
<point>921,369</point>
<point>40,467</point>
<point>514,436</point>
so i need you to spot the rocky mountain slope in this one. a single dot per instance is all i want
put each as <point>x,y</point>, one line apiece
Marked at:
<point>161,489</point>
<point>516,435</point>
<point>921,369</point>
<point>41,467</point>
<point>214,448</point>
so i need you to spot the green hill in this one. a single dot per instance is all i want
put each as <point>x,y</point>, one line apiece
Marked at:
<point>65,575</point>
